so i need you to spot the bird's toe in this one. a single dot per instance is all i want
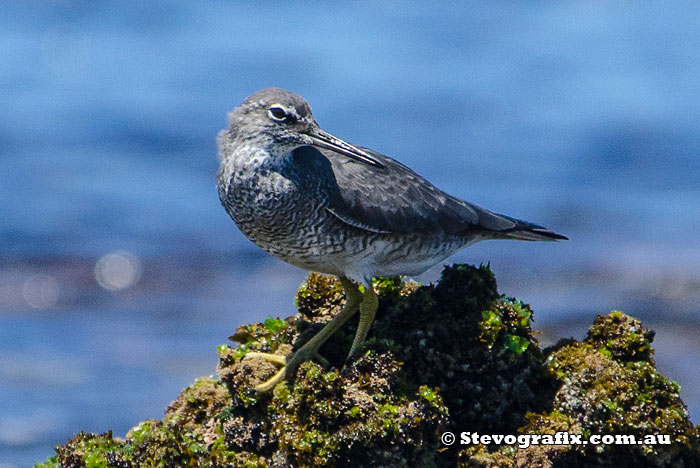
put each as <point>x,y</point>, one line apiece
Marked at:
<point>289,364</point>
<point>269,357</point>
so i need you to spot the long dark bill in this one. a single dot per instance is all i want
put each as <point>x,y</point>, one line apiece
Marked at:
<point>326,140</point>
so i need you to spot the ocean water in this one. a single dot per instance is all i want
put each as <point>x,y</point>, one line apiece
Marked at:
<point>120,272</point>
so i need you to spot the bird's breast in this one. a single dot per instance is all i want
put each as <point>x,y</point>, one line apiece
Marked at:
<point>272,206</point>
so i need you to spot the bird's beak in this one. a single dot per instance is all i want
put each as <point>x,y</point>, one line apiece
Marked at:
<point>325,140</point>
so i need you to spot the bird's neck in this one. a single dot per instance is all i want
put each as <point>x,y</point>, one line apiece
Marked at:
<point>254,152</point>
<point>244,159</point>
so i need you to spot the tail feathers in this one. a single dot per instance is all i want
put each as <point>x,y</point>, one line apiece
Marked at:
<point>504,227</point>
<point>534,234</point>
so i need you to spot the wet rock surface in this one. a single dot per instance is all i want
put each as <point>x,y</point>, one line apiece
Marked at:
<point>455,356</point>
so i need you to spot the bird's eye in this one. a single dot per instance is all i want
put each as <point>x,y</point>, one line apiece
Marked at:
<point>278,113</point>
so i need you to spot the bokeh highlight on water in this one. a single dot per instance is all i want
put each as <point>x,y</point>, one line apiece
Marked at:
<point>120,272</point>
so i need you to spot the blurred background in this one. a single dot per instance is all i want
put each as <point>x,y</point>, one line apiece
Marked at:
<point>120,272</point>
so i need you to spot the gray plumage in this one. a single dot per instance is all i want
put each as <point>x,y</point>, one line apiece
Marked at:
<point>322,204</point>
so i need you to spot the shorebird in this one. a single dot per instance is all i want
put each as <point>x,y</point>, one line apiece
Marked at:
<point>325,205</point>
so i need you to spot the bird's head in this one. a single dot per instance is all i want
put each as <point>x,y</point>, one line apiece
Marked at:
<point>282,121</point>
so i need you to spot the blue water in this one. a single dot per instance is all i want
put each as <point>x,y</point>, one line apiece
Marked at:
<point>580,116</point>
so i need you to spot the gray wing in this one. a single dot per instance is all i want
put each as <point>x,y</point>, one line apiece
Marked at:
<point>394,199</point>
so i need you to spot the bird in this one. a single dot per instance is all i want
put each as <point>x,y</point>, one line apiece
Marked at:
<point>325,205</point>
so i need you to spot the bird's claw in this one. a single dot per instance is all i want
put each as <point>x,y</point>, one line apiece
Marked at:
<point>289,364</point>
<point>269,357</point>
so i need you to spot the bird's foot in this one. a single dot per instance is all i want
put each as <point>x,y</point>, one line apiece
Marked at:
<point>310,349</point>
<point>289,364</point>
<point>269,357</point>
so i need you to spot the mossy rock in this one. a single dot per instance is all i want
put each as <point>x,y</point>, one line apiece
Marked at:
<point>454,357</point>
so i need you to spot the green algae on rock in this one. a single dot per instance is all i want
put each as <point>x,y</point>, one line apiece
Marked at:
<point>607,384</point>
<point>451,357</point>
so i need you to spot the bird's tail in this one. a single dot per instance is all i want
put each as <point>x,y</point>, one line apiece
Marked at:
<point>500,226</point>
<point>505,227</point>
<point>534,234</point>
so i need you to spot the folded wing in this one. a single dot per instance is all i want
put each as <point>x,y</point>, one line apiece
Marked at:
<point>395,199</point>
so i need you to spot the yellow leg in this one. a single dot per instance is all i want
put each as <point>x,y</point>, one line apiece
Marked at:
<point>368,308</point>
<point>353,298</point>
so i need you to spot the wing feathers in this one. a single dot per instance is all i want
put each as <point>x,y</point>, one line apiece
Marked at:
<point>394,199</point>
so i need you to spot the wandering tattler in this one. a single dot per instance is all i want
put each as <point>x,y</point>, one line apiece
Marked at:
<point>322,204</point>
